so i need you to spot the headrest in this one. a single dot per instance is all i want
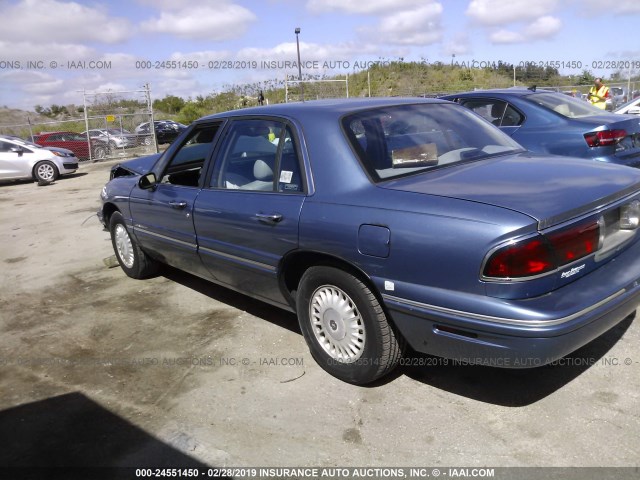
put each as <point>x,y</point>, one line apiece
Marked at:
<point>262,171</point>
<point>497,109</point>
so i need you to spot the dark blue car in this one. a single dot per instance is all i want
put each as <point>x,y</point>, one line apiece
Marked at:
<point>387,222</point>
<point>550,122</point>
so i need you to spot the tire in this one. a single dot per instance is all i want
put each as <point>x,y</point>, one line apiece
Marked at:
<point>147,141</point>
<point>99,153</point>
<point>134,262</point>
<point>359,351</point>
<point>45,172</point>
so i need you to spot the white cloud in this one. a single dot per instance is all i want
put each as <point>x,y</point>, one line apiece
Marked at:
<point>360,6</point>
<point>617,7</point>
<point>35,51</point>
<point>420,26</point>
<point>543,27</point>
<point>458,45</point>
<point>64,22</point>
<point>500,12</point>
<point>506,37</point>
<point>202,22</point>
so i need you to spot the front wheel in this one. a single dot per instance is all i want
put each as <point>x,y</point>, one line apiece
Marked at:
<point>345,326</point>
<point>131,258</point>
<point>45,172</point>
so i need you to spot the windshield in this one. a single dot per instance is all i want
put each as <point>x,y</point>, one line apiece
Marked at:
<point>564,105</point>
<point>396,141</point>
<point>635,102</point>
<point>24,142</point>
<point>114,131</point>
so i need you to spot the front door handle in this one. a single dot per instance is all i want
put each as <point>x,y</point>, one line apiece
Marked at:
<point>269,217</point>
<point>178,205</point>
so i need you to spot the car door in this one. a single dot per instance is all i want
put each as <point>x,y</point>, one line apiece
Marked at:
<point>12,163</point>
<point>163,216</point>
<point>246,218</point>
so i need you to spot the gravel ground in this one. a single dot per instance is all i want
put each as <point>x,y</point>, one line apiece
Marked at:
<point>100,369</point>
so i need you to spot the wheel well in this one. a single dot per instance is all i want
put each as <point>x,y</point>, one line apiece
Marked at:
<point>295,264</point>
<point>107,211</point>
<point>33,170</point>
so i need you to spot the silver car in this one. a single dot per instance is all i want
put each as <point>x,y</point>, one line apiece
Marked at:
<point>23,160</point>
<point>632,107</point>
<point>116,138</point>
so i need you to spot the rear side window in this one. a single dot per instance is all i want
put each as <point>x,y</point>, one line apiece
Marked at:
<point>259,155</point>
<point>498,112</point>
<point>403,140</point>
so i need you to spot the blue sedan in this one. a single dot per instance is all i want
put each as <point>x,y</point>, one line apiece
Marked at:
<point>549,122</point>
<point>385,223</point>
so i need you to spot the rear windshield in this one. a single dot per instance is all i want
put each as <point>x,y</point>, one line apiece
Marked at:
<point>566,106</point>
<point>403,140</point>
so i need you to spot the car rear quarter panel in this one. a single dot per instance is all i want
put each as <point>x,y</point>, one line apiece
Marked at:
<point>435,245</point>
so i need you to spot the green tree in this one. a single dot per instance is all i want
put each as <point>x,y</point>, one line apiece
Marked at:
<point>169,104</point>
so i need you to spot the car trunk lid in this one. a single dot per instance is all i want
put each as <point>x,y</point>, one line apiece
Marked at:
<point>550,189</point>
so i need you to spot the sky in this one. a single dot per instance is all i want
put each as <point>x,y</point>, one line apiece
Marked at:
<point>53,50</point>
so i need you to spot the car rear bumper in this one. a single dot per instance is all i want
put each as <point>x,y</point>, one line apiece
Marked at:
<point>524,333</point>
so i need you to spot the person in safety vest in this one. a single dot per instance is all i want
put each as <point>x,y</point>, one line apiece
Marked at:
<point>598,94</point>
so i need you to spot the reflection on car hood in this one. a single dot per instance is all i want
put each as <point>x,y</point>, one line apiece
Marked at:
<point>550,189</point>
<point>61,150</point>
<point>140,165</point>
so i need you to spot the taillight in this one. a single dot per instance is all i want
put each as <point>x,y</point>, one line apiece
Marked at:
<point>544,253</point>
<point>604,138</point>
<point>522,259</point>
<point>575,242</point>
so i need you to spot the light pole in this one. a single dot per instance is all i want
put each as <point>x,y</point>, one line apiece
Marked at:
<point>297,31</point>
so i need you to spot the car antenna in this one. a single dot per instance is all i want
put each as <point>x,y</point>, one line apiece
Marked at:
<point>532,88</point>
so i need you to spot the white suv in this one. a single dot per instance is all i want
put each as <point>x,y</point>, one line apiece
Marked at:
<point>20,159</point>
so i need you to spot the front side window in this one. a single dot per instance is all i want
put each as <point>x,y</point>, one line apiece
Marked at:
<point>186,165</point>
<point>259,155</point>
<point>402,140</point>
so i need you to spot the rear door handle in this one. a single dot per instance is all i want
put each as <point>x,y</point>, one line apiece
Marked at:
<point>178,205</point>
<point>269,217</point>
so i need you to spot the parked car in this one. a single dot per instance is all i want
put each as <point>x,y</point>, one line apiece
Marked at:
<point>75,142</point>
<point>618,96</point>
<point>115,138</point>
<point>166,131</point>
<point>549,122</point>
<point>21,160</point>
<point>632,107</point>
<point>382,222</point>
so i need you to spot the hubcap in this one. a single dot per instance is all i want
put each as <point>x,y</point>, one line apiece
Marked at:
<point>337,324</point>
<point>124,246</point>
<point>46,172</point>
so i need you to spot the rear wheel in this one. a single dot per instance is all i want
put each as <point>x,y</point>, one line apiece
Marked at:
<point>131,258</point>
<point>99,153</point>
<point>45,172</point>
<point>345,326</point>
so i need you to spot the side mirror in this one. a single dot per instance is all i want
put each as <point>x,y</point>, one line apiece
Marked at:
<point>148,181</point>
<point>18,150</point>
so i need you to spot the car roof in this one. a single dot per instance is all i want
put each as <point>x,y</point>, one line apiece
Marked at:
<point>513,91</point>
<point>338,106</point>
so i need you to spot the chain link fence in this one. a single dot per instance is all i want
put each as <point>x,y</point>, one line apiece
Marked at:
<point>113,125</point>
